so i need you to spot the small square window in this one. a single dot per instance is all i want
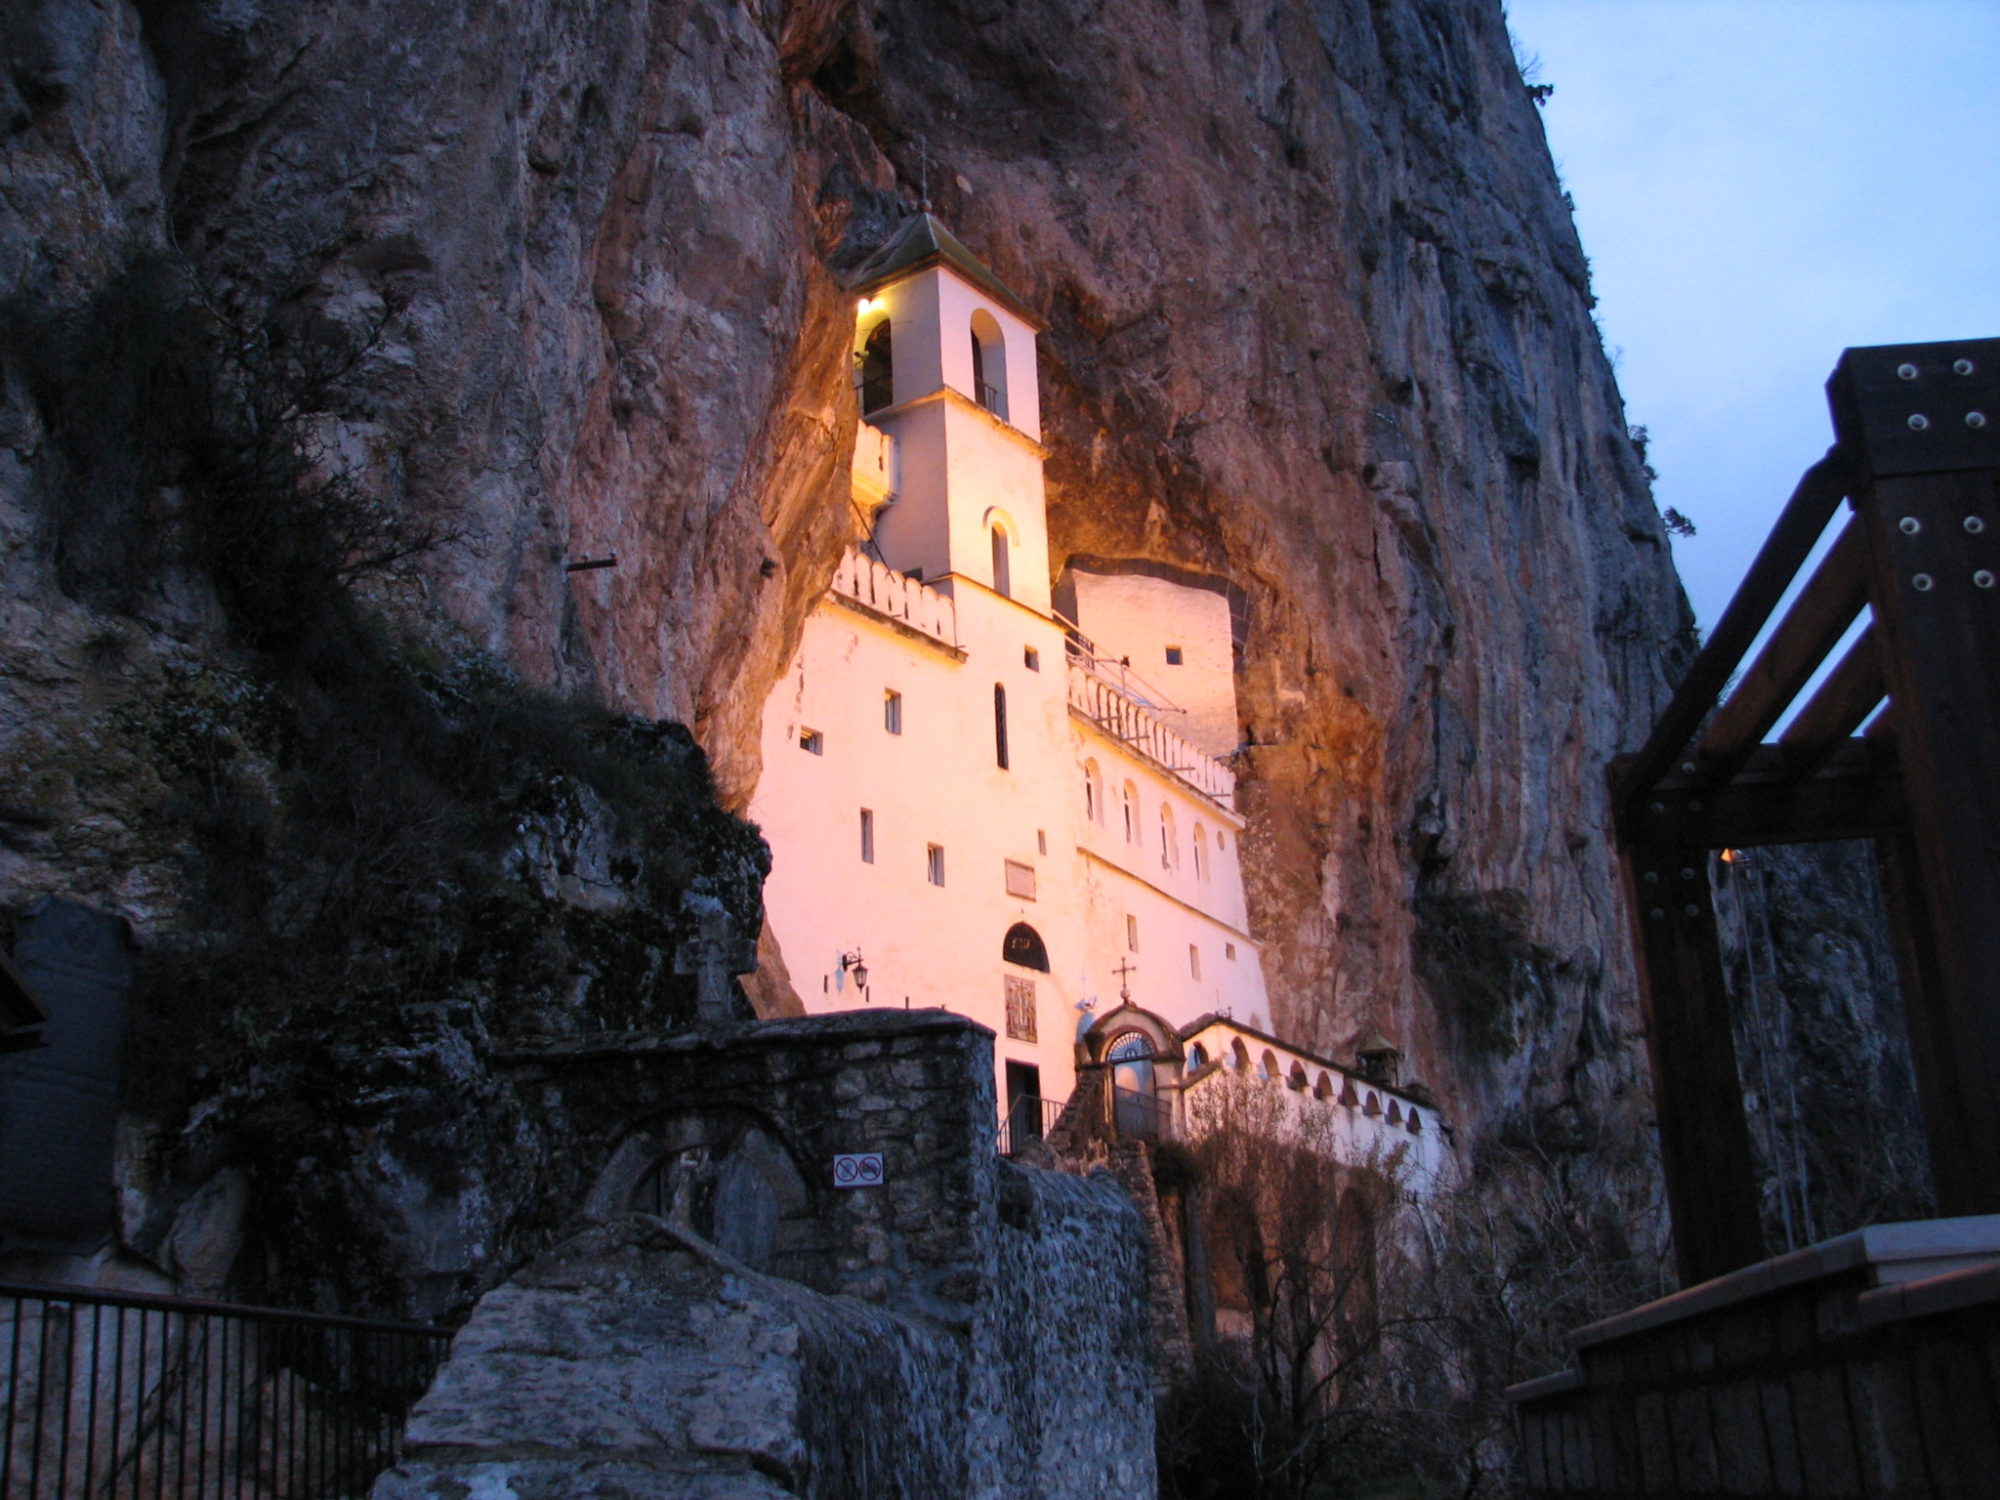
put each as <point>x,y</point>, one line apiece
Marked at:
<point>1041,841</point>
<point>934,863</point>
<point>1173,656</point>
<point>1194,961</point>
<point>892,711</point>
<point>813,741</point>
<point>867,836</point>
<point>1131,932</point>
<point>1229,951</point>
<point>1031,658</point>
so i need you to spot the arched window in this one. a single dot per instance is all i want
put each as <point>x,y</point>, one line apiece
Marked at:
<point>1197,1059</point>
<point>1200,852</point>
<point>878,379</point>
<point>1131,813</point>
<point>1170,843</point>
<point>1093,792</point>
<point>1268,1065</point>
<point>1003,581</point>
<point>1000,726</point>
<point>989,364</point>
<point>1323,1090</point>
<point>1023,945</point>
<point>1296,1078</point>
<point>1239,1055</point>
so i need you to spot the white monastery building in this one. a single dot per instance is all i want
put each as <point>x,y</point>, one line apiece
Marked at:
<point>979,800</point>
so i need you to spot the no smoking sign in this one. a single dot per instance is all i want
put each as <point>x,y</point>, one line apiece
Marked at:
<point>858,1170</point>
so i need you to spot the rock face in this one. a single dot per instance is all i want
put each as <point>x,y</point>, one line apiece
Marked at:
<point>561,280</point>
<point>1821,1043</point>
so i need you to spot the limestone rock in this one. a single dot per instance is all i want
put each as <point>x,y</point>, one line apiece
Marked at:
<point>1319,324</point>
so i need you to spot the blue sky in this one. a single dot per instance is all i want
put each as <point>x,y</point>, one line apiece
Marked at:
<point>1760,184</point>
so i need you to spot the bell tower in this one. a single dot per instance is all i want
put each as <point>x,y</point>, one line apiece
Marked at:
<point>945,363</point>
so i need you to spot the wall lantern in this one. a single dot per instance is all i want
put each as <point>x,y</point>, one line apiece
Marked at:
<point>850,963</point>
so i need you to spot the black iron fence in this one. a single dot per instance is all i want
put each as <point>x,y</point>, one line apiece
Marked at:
<point>1140,1116</point>
<point>1030,1119</point>
<point>110,1395</point>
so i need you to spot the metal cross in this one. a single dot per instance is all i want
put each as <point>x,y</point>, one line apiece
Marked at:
<point>1124,969</point>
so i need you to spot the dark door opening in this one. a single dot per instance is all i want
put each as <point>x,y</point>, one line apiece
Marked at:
<point>1024,1102</point>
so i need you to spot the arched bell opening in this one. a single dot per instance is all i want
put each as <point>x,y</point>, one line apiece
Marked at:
<point>989,363</point>
<point>877,369</point>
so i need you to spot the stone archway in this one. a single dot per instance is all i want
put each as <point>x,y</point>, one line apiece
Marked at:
<point>721,1172</point>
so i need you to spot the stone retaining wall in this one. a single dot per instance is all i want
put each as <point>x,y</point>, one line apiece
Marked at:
<point>968,1327</point>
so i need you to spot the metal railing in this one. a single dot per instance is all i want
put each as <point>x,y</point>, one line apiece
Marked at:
<point>108,1395</point>
<point>1127,720</point>
<point>1140,1116</point>
<point>988,395</point>
<point>1030,1119</point>
<point>896,596</point>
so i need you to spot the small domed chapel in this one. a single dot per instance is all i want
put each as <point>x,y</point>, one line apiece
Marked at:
<point>1010,796</point>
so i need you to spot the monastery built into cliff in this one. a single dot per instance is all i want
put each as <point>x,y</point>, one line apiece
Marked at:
<point>1012,796</point>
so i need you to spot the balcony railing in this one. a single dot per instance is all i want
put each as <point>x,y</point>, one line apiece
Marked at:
<point>881,590</point>
<point>107,1394</point>
<point>1114,710</point>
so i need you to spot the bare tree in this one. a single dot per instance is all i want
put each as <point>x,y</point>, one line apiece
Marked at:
<point>1294,1383</point>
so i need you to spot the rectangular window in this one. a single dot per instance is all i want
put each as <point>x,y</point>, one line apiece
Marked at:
<point>1194,961</point>
<point>1020,880</point>
<point>934,863</point>
<point>1000,726</point>
<point>1229,951</point>
<point>813,741</point>
<point>892,712</point>
<point>1041,841</point>
<point>1131,932</point>
<point>1173,656</point>
<point>1031,658</point>
<point>1021,1009</point>
<point>867,836</point>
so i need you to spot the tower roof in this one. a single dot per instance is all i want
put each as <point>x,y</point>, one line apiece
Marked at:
<point>923,242</point>
<point>1374,1043</point>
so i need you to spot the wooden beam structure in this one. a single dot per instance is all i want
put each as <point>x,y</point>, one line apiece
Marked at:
<point>1917,456</point>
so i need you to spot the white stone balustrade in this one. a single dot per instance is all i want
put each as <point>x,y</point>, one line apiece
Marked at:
<point>1125,719</point>
<point>881,590</point>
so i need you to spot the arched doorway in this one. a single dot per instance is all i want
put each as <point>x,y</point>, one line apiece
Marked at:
<point>1135,1106</point>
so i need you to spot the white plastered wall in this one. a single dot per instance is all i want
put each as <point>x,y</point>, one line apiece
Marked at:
<point>1137,616</point>
<point>936,783</point>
